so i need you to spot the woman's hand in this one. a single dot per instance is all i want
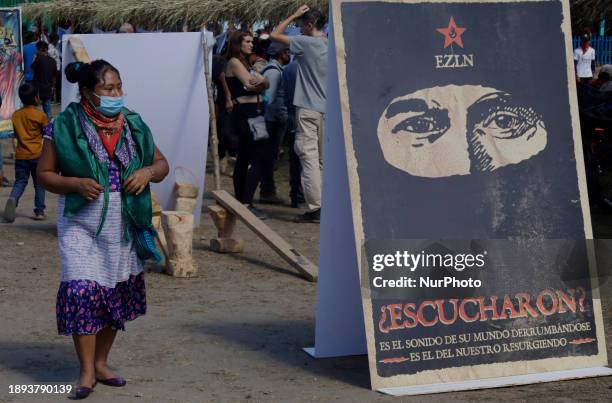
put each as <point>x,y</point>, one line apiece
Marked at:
<point>256,79</point>
<point>89,188</point>
<point>229,105</point>
<point>258,83</point>
<point>138,181</point>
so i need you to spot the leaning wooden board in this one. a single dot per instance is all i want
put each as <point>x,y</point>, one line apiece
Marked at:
<point>300,262</point>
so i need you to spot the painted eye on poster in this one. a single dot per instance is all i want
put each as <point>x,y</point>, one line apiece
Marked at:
<point>458,130</point>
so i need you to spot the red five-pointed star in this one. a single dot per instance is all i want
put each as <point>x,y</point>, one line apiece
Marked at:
<point>452,34</point>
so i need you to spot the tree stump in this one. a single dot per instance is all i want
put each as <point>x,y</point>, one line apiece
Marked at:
<point>225,222</point>
<point>178,227</point>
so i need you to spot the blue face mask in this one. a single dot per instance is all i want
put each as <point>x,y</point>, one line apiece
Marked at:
<point>109,106</point>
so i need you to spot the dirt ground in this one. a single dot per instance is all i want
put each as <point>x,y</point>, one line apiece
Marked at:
<point>233,333</point>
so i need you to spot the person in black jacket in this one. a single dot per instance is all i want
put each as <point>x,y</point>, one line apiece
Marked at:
<point>44,69</point>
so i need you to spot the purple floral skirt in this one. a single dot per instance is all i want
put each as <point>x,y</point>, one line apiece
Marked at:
<point>84,307</point>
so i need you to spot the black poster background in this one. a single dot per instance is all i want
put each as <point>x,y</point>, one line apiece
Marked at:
<point>518,48</point>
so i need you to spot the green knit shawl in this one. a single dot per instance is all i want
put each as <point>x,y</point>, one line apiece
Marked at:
<point>76,159</point>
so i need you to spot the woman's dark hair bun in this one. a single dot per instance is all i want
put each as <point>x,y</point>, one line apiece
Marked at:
<point>88,75</point>
<point>73,71</point>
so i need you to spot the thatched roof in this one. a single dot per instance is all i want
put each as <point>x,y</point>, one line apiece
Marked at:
<point>164,14</point>
<point>168,14</point>
<point>588,13</point>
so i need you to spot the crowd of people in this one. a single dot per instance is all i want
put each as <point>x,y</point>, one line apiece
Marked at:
<point>269,93</point>
<point>270,89</point>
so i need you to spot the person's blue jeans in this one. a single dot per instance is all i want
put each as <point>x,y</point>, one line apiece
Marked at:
<point>23,170</point>
<point>46,105</point>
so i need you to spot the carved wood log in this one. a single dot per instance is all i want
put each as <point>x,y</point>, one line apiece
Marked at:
<point>185,204</point>
<point>178,227</point>
<point>225,223</point>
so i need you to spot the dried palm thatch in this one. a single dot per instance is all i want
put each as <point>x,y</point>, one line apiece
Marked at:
<point>164,14</point>
<point>170,14</point>
<point>587,13</point>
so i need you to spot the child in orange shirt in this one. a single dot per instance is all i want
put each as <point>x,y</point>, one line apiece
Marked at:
<point>28,123</point>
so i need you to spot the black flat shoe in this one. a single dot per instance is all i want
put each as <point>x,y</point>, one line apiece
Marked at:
<point>115,382</point>
<point>82,392</point>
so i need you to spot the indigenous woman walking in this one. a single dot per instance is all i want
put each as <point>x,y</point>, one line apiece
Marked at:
<point>100,158</point>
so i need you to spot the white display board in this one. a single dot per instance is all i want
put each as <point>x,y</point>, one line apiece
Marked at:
<point>163,80</point>
<point>339,329</point>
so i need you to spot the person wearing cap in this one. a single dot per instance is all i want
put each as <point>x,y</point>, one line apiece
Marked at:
<point>276,118</point>
<point>310,50</point>
<point>584,59</point>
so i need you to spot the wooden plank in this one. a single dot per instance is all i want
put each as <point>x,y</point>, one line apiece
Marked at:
<point>78,50</point>
<point>304,266</point>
